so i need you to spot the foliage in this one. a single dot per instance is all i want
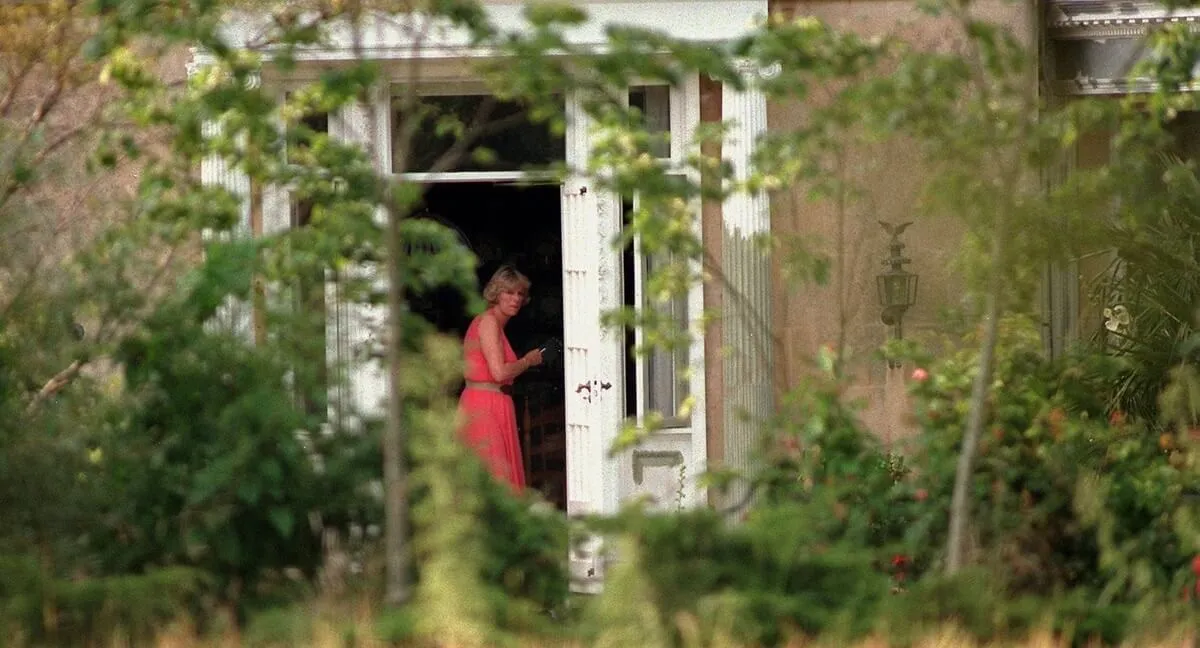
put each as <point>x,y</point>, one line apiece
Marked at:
<point>815,548</point>
<point>1081,521</point>
<point>40,608</point>
<point>818,456</point>
<point>221,455</point>
<point>1148,292</point>
<point>212,464</point>
<point>754,582</point>
<point>525,543</point>
<point>1066,497</point>
<point>489,564</point>
<point>978,604</point>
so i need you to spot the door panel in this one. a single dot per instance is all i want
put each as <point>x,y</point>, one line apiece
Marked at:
<point>593,384</point>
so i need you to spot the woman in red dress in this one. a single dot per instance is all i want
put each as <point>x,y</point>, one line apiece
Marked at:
<point>486,406</point>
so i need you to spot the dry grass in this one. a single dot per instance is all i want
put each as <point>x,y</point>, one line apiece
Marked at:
<point>330,629</point>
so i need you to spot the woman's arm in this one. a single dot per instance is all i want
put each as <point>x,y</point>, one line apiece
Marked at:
<point>493,352</point>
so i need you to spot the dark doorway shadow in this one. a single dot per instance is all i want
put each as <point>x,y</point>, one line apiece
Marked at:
<point>521,226</point>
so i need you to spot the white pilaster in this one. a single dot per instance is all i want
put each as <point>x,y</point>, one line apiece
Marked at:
<point>355,327</point>
<point>234,316</point>
<point>746,317</point>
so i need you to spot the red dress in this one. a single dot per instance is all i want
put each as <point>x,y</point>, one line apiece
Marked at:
<point>489,417</point>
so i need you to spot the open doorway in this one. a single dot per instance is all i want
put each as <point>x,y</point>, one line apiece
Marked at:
<point>518,225</point>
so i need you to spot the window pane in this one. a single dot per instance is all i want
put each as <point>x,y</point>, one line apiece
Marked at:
<point>501,127</point>
<point>654,101</point>
<point>666,369</point>
<point>318,123</point>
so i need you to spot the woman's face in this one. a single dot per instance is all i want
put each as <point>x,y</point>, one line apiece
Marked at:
<point>510,300</point>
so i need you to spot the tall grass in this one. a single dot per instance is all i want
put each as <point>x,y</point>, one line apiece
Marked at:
<point>357,627</point>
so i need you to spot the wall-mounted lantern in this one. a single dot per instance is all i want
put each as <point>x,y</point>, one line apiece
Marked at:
<point>897,287</point>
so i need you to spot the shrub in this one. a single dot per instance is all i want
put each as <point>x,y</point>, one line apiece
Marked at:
<point>761,576</point>
<point>212,464</point>
<point>43,609</point>
<point>1065,496</point>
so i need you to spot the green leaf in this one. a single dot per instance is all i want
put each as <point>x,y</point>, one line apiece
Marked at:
<point>283,520</point>
<point>249,491</point>
<point>271,469</point>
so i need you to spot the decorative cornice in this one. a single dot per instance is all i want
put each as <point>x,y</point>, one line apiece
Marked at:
<point>755,71</point>
<point>384,36</point>
<point>1090,19</point>
<point>1128,29</point>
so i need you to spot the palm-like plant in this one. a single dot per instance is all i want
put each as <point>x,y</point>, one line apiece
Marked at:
<point>1151,288</point>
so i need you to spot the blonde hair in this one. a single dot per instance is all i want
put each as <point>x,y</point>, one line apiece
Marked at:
<point>505,279</point>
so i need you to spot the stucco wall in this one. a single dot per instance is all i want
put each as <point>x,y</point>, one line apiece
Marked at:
<point>847,309</point>
<point>71,200</point>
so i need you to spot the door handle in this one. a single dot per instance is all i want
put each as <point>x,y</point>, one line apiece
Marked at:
<point>591,387</point>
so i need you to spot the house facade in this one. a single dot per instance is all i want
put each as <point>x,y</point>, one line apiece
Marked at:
<point>597,367</point>
<point>767,329</point>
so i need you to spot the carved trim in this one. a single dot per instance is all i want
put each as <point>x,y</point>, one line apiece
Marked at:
<point>1078,19</point>
<point>756,72</point>
<point>1117,29</point>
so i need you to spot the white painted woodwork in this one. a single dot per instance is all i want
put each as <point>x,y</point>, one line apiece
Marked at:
<point>277,200</point>
<point>592,357</point>
<point>746,316</point>
<point>662,471</point>
<point>353,327</point>
<point>233,315</point>
<point>395,37</point>
<point>497,177</point>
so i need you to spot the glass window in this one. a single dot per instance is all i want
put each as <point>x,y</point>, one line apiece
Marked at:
<point>666,372</point>
<point>318,124</point>
<point>657,382</point>
<point>500,136</point>
<point>654,103</point>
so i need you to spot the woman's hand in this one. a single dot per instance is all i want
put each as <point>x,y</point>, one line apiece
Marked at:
<point>533,358</point>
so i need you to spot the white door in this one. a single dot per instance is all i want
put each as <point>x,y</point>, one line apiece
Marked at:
<point>593,356</point>
<point>668,384</point>
<point>664,468</point>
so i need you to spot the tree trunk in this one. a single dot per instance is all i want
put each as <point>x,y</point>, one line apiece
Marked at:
<point>960,501</point>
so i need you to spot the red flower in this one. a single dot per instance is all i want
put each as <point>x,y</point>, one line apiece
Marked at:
<point>1196,565</point>
<point>921,495</point>
<point>789,446</point>
<point>1057,417</point>
<point>1117,418</point>
<point>899,560</point>
<point>920,375</point>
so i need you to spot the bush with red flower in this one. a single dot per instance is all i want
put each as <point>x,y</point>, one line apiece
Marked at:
<point>1066,495</point>
<point>1080,517</point>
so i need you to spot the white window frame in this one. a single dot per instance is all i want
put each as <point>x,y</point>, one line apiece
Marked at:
<point>464,86</point>
<point>680,136</point>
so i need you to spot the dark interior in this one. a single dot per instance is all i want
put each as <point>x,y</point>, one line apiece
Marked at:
<point>518,225</point>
